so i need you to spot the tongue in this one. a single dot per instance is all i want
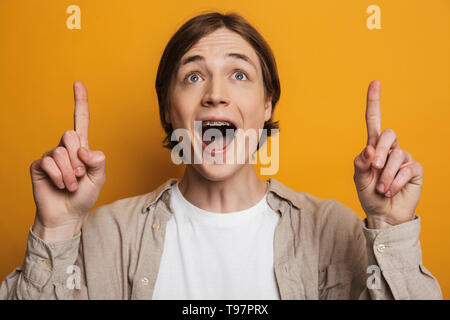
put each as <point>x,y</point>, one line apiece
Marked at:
<point>218,144</point>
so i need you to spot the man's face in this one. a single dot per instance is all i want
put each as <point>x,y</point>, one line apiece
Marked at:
<point>220,83</point>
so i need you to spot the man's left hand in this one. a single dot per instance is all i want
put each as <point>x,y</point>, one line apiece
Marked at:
<point>387,179</point>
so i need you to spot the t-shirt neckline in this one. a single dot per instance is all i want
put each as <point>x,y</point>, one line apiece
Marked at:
<point>258,207</point>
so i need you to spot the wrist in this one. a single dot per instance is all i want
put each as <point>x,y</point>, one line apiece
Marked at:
<point>56,233</point>
<point>376,222</point>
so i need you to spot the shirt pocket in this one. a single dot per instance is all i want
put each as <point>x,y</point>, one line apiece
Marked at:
<point>335,282</point>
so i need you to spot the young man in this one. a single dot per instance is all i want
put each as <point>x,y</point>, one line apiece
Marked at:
<point>221,232</point>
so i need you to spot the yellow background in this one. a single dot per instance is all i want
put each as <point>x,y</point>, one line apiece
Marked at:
<point>326,57</point>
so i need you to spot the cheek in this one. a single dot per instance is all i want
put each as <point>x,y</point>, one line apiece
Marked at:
<point>183,108</point>
<point>251,107</point>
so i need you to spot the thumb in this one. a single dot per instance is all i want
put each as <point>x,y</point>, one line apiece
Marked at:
<point>95,163</point>
<point>363,170</point>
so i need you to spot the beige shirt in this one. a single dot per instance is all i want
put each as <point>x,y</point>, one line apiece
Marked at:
<point>322,250</point>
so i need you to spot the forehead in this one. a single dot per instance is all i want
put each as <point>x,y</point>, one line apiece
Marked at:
<point>221,42</point>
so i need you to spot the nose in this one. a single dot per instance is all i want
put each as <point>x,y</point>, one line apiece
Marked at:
<point>215,94</point>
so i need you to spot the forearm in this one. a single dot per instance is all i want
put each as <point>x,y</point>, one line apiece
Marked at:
<point>43,274</point>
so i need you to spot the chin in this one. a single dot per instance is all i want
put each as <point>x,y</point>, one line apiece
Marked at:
<point>217,172</point>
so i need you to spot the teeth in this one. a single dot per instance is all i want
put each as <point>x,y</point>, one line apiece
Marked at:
<point>216,123</point>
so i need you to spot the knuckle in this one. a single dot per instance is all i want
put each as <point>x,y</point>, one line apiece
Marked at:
<point>46,162</point>
<point>397,153</point>
<point>83,115</point>
<point>59,152</point>
<point>408,155</point>
<point>69,137</point>
<point>372,117</point>
<point>51,170</point>
<point>419,167</point>
<point>69,134</point>
<point>101,156</point>
<point>390,132</point>
<point>47,153</point>
<point>405,155</point>
<point>406,171</point>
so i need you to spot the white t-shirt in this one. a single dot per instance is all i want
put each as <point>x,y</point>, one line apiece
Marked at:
<point>211,255</point>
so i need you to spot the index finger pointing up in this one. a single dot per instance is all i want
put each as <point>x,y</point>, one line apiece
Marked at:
<point>373,113</point>
<point>81,113</point>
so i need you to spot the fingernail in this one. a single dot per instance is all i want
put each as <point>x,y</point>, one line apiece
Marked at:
<point>73,186</point>
<point>388,194</point>
<point>378,162</point>
<point>79,171</point>
<point>381,187</point>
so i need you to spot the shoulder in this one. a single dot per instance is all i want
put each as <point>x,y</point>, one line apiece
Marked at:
<point>122,209</point>
<point>329,224</point>
<point>123,213</point>
<point>330,212</point>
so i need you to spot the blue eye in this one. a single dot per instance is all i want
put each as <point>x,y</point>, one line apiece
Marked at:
<point>240,76</point>
<point>193,78</point>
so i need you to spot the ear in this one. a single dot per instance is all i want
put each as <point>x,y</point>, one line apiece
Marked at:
<point>268,109</point>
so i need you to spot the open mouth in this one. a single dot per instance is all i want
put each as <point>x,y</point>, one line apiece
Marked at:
<point>217,135</point>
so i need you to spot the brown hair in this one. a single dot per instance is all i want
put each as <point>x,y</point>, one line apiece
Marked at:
<point>189,34</point>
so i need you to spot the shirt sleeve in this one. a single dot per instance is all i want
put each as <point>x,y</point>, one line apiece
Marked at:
<point>49,271</point>
<point>395,266</point>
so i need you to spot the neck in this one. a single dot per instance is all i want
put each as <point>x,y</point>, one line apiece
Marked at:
<point>241,191</point>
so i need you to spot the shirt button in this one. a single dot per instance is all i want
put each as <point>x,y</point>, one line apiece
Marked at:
<point>144,281</point>
<point>155,226</point>
<point>47,262</point>
<point>381,248</point>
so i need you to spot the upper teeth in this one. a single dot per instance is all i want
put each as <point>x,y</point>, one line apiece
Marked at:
<point>216,123</point>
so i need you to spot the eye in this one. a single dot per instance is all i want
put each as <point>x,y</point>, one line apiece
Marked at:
<point>192,78</point>
<point>239,76</point>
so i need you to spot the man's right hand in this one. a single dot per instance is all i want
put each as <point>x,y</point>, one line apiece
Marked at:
<point>67,179</point>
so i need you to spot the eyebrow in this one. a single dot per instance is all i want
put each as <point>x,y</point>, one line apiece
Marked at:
<point>239,56</point>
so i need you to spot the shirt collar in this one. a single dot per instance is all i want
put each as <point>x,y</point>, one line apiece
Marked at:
<point>278,194</point>
<point>162,192</point>
<point>282,192</point>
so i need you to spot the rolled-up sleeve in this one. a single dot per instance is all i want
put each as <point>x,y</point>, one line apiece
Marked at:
<point>44,271</point>
<point>394,254</point>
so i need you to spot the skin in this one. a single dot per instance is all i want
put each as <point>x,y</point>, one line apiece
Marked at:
<point>220,90</point>
<point>64,194</point>
<point>383,162</point>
